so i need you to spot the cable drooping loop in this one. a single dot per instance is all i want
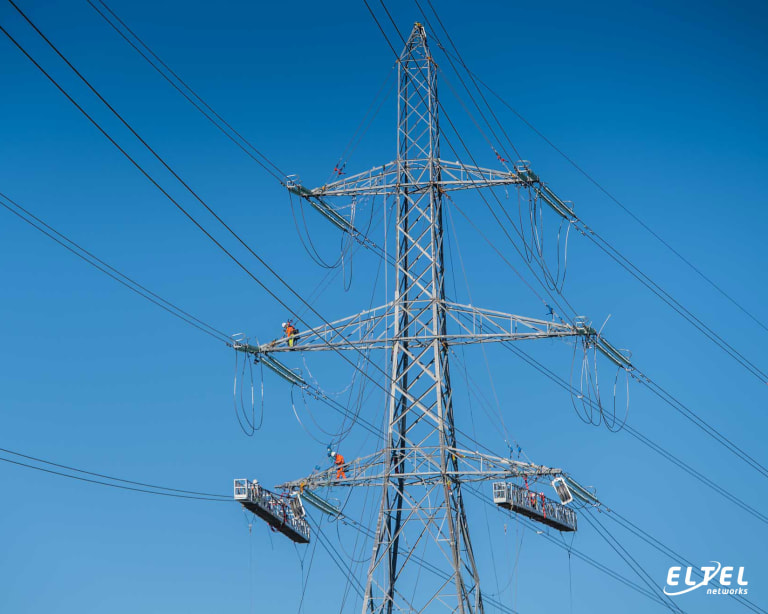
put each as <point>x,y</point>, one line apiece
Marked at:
<point>307,243</point>
<point>261,387</point>
<point>247,423</point>
<point>612,427</point>
<point>588,393</point>
<point>534,247</point>
<point>298,418</point>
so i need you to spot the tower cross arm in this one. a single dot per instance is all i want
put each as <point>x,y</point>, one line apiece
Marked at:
<point>465,325</point>
<point>388,178</point>
<point>421,466</point>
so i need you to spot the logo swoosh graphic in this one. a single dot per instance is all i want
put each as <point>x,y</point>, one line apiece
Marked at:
<point>706,580</point>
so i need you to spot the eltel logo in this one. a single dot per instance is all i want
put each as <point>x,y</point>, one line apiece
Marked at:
<point>710,573</point>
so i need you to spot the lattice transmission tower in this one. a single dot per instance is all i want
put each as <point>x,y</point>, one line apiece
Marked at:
<point>421,466</point>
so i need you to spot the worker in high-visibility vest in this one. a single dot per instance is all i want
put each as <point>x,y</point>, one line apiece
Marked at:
<point>290,332</point>
<point>338,460</point>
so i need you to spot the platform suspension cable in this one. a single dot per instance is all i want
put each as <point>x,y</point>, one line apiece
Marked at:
<point>335,557</point>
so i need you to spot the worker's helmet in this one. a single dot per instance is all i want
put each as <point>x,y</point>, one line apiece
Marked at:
<point>284,324</point>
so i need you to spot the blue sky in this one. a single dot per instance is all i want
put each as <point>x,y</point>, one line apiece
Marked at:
<point>663,104</point>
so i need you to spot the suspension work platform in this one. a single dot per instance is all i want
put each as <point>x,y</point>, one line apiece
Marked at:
<point>534,505</point>
<point>284,514</point>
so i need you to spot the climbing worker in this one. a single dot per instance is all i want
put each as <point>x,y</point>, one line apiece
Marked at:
<point>290,332</point>
<point>255,489</point>
<point>338,460</point>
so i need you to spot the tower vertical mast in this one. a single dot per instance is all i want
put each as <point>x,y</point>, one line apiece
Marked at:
<point>420,414</point>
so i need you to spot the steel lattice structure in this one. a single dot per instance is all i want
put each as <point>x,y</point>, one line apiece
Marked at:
<point>421,467</point>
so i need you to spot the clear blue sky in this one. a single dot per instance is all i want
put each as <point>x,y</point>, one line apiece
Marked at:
<point>663,103</point>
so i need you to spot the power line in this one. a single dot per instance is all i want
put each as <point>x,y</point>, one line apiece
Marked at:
<point>109,477</point>
<point>644,279</point>
<point>702,424</point>
<point>165,493</point>
<point>99,264</point>
<point>628,559</point>
<point>217,119</point>
<point>696,269</point>
<point>613,252</point>
<point>185,90</point>
<point>461,60</point>
<point>336,558</point>
<point>666,550</point>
